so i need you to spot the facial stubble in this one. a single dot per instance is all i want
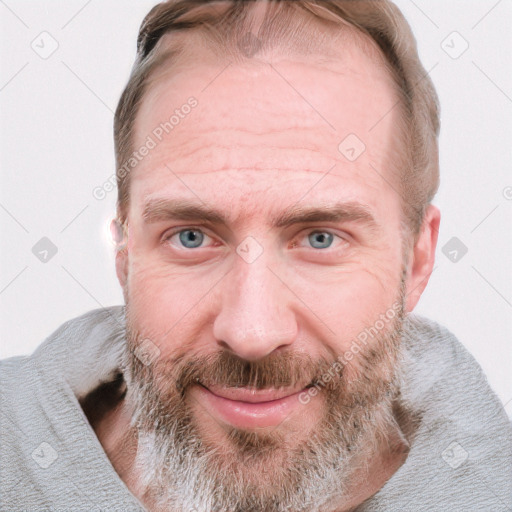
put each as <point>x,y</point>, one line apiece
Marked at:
<point>182,466</point>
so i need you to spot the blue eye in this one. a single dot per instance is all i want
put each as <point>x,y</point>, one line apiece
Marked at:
<point>191,238</point>
<point>320,239</point>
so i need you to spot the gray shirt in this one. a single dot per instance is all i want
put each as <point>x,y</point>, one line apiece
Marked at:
<point>460,455</point>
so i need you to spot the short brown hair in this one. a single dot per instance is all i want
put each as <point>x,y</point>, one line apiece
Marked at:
<point>228,22</point>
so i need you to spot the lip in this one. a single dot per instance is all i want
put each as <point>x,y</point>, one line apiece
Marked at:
<point>250,408</point>
<point>252,395</point>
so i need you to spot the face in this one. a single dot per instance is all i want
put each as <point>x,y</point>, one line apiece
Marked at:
<point>260,259</point>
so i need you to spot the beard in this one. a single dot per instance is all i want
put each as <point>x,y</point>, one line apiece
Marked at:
<point>183,467</point>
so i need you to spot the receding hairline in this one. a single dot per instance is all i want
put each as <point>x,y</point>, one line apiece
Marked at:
<point>185,47</point>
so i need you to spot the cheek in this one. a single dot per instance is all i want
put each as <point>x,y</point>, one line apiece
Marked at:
<point>349,301</point>
<point>165,306</point>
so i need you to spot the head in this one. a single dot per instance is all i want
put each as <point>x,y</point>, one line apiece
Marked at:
<point>276,216</point>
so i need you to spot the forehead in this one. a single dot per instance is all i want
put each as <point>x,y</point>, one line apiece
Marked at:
<point>266,124</point>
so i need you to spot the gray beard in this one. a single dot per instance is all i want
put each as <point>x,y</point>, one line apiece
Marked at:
<point>181,470</point>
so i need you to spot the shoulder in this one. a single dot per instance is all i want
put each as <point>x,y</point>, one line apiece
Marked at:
<point>462,446</point>
<point>43,425</point>
<point>439,368</point>
<point>84,351</point>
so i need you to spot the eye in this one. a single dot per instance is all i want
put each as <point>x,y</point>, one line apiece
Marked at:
<point>188,238</point>
<point>321,239</point>
<point>318,239</point>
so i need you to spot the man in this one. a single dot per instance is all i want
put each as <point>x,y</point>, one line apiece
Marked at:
<point>276,164</point>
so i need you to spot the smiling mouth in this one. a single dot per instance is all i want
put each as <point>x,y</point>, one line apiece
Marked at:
<point>250,408</point>
<point>253,395</point>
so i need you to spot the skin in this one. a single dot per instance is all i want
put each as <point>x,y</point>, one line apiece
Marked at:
<point>256,145</point>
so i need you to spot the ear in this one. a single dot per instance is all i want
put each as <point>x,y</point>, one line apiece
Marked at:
<point>118,234</point>
<point>122,267</point>
<point>422,257</point>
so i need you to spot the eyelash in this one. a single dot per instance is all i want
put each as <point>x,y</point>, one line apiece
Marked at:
<point>168,236</point>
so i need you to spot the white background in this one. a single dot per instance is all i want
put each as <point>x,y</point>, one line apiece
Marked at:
<point>56,146</point>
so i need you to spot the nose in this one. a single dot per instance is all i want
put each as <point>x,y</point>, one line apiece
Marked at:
<point>255,316</point>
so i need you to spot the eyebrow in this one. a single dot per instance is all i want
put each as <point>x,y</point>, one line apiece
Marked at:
<point>157,210</point>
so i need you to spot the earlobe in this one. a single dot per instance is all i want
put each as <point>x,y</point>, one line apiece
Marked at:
<point>122,267</point>
<point>423,257</point>
<point>119,238</point>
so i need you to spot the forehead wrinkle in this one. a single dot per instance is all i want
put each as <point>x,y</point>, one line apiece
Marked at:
<point>266,103</point>
<point>207,132</point>
<point>233,158</point>
<point>238,146</point>
<point>264,182</point>
<point>249,169</point>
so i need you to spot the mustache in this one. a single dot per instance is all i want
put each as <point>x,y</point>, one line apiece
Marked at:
<point>277,370</point>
